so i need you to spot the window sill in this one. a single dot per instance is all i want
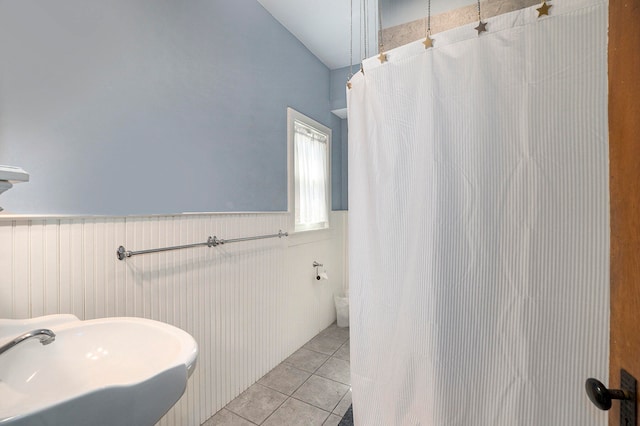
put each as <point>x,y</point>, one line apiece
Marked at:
<point>309,236</point>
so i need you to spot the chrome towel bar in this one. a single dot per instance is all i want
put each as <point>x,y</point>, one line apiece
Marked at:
<point>123,253</point>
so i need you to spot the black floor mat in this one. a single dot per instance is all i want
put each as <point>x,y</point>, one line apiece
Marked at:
<point>347,419</point>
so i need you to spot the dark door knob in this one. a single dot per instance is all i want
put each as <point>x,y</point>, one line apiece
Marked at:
<point>601,396</point>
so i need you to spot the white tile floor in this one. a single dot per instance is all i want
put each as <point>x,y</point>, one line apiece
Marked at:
<point>311,387</point>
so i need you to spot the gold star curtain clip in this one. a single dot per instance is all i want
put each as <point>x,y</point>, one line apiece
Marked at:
<point>428,42</point>
<point>544,9</point>
<point>481,28</point>
<point>382,58</point>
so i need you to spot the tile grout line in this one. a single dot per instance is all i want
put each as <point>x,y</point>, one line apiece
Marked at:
<point>291,397</point>
<point>243,418</point>
<point>326,378</point>
<point>273,412</point>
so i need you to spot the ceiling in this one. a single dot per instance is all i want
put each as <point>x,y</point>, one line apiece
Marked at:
<point>324,26</point>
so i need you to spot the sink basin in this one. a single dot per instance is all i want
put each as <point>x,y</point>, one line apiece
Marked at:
<point>112,371</point>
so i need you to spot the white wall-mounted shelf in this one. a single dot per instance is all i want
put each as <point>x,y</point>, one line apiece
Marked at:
<point>13,174</point>
<point>10,175</point>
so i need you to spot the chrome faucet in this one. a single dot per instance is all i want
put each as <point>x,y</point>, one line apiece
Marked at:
<point>45,335</point>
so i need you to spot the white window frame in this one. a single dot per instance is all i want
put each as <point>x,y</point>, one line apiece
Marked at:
<point>292,117</point>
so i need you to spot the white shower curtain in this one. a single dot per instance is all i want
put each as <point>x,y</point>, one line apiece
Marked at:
<point>479,224</point>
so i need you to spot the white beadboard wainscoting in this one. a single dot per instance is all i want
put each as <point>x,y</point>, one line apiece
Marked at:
<point>248,304</point>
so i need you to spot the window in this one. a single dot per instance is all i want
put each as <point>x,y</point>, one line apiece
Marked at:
<point>309,147</point>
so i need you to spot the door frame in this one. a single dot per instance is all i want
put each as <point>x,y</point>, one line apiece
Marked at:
<point>624,187</point>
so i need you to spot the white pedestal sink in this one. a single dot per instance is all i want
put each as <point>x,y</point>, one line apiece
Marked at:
<point>112,371</point>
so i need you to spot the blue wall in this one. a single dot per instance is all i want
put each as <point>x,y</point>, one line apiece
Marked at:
<point>154,106</point>
<point>338,101</point>
<point>339,78</point>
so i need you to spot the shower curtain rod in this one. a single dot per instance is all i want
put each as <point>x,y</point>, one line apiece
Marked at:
<point>214,241</point>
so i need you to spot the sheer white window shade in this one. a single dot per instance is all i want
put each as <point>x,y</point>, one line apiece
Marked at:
<point>311,175</point>
<point>310,144</point>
